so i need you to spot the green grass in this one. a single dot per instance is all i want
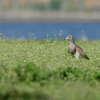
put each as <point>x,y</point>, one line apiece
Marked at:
<point>43,70</point>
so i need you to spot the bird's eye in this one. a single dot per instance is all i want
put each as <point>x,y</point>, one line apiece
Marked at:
<point>69,36</point>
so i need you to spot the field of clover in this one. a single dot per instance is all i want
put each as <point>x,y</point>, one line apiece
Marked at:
<point>44,70</point>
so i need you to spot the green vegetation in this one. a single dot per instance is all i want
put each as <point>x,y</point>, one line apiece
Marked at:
<point>52,5</point>
<point>43,70</point>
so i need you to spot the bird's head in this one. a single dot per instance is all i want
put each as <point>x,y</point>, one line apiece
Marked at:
<point>70,38</point>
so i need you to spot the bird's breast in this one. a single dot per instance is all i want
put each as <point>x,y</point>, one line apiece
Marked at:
<point>72,48</point>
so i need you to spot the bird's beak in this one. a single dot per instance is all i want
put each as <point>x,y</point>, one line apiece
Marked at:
<point>66,38</point>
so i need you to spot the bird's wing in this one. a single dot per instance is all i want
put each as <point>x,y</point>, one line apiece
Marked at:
<point>80,50</point>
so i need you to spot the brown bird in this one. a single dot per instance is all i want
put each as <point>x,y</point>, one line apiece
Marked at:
<point>74,49</point>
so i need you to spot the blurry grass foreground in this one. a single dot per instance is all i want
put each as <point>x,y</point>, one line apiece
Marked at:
<point>43,70</point>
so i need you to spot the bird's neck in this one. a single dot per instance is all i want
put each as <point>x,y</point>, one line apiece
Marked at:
<point>72,42</point>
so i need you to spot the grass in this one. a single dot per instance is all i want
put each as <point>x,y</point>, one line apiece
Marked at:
<point>43,70</point>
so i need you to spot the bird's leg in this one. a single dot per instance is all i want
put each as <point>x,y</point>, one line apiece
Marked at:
<point>69,51</point>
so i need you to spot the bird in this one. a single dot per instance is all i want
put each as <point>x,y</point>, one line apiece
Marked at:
<point>74,49</point>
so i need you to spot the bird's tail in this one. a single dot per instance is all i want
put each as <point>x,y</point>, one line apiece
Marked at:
<point>85,56</point>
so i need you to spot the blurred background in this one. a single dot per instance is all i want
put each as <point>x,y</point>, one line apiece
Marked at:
<point>20,18</point>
